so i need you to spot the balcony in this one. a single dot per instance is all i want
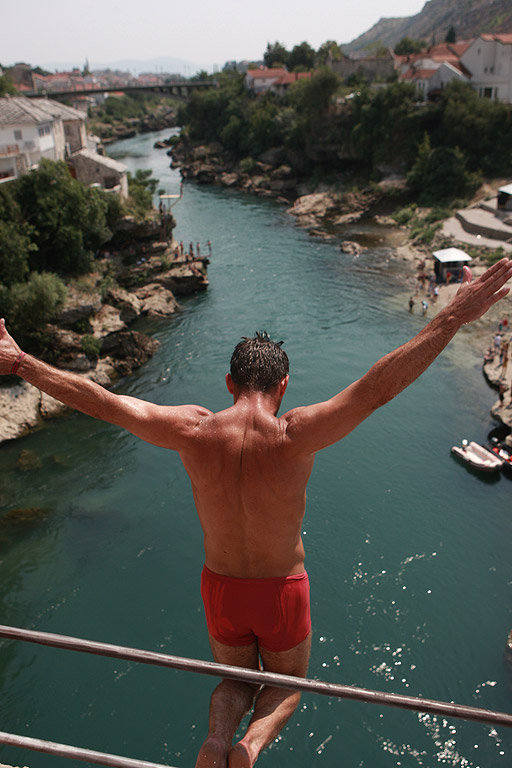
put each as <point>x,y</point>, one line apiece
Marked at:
<point>9,150</point>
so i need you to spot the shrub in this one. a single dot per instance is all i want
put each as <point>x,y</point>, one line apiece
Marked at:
<point>32,304</point>
<point>247,165</point>
<point>69,220</point>
<point>91,346</point>
<point>405,215</point>
<point>440,174</point>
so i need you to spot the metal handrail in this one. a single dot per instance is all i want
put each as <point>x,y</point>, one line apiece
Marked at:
<point>65,750</point>
<point>447,709</point>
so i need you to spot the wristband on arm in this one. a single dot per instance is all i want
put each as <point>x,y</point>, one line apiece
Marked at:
<point>17,362</point>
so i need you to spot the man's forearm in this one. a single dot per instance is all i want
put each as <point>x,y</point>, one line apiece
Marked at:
<point>395,371</point>
<point>398,369</point>
<point>71,389</point>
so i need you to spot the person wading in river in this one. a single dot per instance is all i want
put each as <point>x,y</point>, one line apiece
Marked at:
<point>249,469</point>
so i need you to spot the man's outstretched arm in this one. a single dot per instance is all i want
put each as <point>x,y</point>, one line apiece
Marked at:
<point>317,426</point>
<point>166,426</point>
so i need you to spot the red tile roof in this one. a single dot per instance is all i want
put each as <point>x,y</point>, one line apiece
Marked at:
<point>292,77</point>
<point>264,73</point>
<point>506,39</point>
<point>418,74</point>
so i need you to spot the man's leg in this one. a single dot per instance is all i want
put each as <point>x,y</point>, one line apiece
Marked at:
<point>274,706</point>
<point>230,701</point>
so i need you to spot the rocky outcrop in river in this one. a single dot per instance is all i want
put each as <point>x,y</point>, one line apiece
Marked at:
<point>138,276</point>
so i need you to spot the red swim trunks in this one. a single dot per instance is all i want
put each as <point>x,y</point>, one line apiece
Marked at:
<point>274,612</point>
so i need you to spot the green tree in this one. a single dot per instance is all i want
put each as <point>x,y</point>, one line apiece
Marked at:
<point>6,86</point>
<point>451,35</point>
<point>31,305</point>
<point>68,219</point>
<point>207,113</point>
<point>481,128</point>
<point>276,54</point>
<point>302,58</point>
<point>15,240</point>
<point>328,51</point>
<point>263,129</point>
<point>141,189</point>
<point>15,248</point>
<point>440,174</point>
<point>312,96</point>
<point>387,124</point>
<point>409,45</point>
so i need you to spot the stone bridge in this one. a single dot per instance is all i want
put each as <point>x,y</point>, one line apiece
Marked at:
<point>181,90</point>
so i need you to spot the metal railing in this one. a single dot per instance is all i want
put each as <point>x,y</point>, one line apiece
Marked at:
<point>417,704</point>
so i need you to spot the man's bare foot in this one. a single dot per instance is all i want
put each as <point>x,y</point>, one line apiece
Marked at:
<point>213,754</point>
<point>239,757</point>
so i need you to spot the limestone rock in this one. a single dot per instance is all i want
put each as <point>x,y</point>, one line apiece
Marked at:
<point>129,349</point>
<point>185,279</point>
<point>316,204</point>
<point>229,179</point>
<point>348,246</point>
<point>20,410</point>
<point>108,319</point>
<point>127,303</point>
<point>273,157</point>
<point>205,175</point>
<point>156,300</point>
<point>77,310</point>
<point>347,218</point>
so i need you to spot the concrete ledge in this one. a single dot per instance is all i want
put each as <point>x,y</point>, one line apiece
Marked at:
<point>482,222</point>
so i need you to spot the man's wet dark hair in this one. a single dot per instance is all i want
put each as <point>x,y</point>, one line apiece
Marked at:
<point>258,364</point>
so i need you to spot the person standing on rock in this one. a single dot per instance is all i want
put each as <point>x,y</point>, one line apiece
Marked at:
<point>249,469</point>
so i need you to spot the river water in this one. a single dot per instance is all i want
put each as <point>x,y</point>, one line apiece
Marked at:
<point>408,552</point>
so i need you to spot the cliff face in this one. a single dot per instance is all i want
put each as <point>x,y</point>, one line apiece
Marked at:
<point>468,17</point>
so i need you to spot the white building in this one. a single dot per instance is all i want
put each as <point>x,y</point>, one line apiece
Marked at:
<point>430,81</point>
<point>489,59</point>
<point>27,134</point>
<point>260,80</point>
<point>33,129</point>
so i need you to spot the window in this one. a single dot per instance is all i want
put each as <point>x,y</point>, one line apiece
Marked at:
<point>487,93</point>
<point>18,135</point>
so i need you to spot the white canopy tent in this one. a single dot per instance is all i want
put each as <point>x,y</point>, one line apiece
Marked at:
<point>449,262</point>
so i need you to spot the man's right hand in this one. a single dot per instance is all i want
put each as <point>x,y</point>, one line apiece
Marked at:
<point>9,350</point>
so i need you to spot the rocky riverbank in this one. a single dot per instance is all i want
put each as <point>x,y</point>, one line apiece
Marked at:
<point>343,216</point>
<point>141,275</point>
<point>157,120</point>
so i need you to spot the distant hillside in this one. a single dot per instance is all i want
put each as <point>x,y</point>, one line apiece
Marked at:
<point>468,17</point>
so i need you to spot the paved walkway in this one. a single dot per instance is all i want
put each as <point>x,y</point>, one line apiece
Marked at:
<point>453,228</point>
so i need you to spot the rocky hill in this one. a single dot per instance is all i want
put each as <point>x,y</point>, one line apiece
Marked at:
<point>468,17</point>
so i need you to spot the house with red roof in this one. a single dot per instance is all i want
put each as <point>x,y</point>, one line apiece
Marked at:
<point>430,81</point>
<point>277,80</point>
<point>489,59</point>
<point>484,62</point>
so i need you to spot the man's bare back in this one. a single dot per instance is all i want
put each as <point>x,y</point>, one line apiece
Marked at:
<point>249,484</point>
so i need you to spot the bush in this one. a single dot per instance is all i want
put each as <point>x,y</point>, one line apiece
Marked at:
<point>406,214</point>
<point>91,346</point>
<point>31,305</point>
<point>69,220</point>
<point>141,189</point>
<point>440,174</point>
<point>247,165</point>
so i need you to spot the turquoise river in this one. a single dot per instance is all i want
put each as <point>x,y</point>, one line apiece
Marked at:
<point>408,552</point>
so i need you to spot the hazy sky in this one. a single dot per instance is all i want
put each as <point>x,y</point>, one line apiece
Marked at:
<point>206,32</point>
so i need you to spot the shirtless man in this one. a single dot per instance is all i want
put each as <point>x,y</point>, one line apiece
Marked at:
<point>249,469</point>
